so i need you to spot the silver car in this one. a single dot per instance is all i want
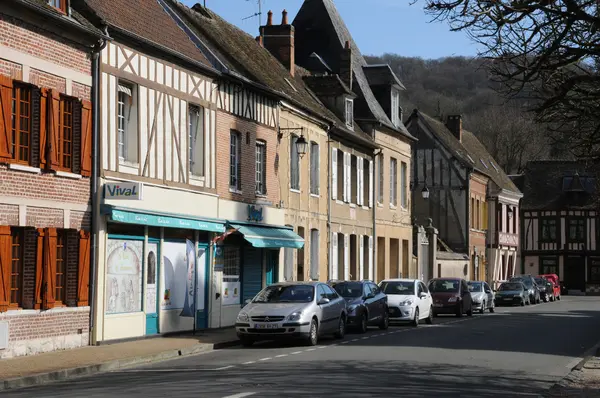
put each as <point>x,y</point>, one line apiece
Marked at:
<point>482,296</point>
<point>292,310</point>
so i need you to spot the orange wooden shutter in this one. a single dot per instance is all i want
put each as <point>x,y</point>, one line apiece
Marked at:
<point>53,134</point>
<point>6,90</point>
<point>84,269</point>
<point>50,241</point>
<point>39,269</point>
<point>5,266</point>
<point>86,138</point>
<point>44,118</point>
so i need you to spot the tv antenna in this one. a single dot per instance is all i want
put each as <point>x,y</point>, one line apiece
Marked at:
<point>256,14</point>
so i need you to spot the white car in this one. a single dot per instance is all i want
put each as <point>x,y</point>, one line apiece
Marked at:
<point>409,300</point>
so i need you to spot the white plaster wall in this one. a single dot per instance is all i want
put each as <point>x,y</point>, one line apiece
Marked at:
<point>451,268</point>
<point>122,326</point>
<point>170,321</point>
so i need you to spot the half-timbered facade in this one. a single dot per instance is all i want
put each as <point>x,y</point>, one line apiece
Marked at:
<point>45,168</point>
<point>466,189</point>
<point>559,227</point>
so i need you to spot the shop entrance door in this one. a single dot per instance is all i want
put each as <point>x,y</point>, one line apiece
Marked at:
<point>272,267</point>
<point>151,287</point>
<point>202,270</point>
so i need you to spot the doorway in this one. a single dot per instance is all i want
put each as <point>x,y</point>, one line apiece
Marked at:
<point>395,258</point>
<point>272,267</point>
<point>151,291</point>
<point>380,275</point>
<point>575,273</point>
<point>353,259</point>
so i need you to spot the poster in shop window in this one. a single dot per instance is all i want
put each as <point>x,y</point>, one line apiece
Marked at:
<point>151,280</point>
<point>189,303</point>
<point>124,276</point>
<point>175,270</point>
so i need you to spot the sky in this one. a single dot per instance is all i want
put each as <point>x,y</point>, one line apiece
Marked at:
<point>377,26</point>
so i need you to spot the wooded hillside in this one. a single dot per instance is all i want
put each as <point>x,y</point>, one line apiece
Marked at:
<point>460,85</point>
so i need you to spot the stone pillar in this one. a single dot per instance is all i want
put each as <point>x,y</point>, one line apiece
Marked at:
<point>432,234</point>
<point>421,250</point>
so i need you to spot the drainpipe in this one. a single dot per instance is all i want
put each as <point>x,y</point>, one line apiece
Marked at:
<point>329,259</point>
<point>467,207</point>
<point>374,209</point>
<point>94,180</point>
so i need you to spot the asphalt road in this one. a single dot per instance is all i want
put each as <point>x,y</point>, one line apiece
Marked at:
<point>518,351</point>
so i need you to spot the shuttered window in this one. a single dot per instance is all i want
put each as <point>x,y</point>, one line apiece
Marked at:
<point>314,254</point>
<point>21,124</point>
<point>65,143</point>
<point>393,181</point>
<point>294,165</point>
<point>61,268</point>
<point>16,271</point>
<point>235,155</point>
<point>261,165</point>
<point>314,168</point>
<point>381,180</point>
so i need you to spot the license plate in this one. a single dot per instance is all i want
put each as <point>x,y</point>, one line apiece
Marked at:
<point>438,305</point>
<point>507,299</point>
<point>267,326</point>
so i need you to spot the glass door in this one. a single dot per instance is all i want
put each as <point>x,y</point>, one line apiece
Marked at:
<point>151,302</point>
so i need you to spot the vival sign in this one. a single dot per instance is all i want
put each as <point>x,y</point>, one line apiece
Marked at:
<point>123,190</point>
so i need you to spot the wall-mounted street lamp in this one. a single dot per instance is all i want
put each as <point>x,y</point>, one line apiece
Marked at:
<point>301,145</point>
<point>425,193</point>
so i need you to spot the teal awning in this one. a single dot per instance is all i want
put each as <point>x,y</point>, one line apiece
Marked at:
<point>142,217</point>
<point>269,237</point>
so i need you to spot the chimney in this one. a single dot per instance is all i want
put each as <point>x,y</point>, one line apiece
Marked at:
<point>454,124</point>
<point>279,40</point>
<point>346,65</point>
<point>259,40</point>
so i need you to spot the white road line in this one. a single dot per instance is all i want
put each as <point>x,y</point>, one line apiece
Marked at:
<point>354,340</point>
<point>344,342</point>
<point>296,353</point>
<point>281,355</point>
<point>265,359</point>
<point>364,338</point>
<point>225,367</point>
<point>249,363</point>
<point>240,395</point>
<point>322,346</point>
<point>310,349</point>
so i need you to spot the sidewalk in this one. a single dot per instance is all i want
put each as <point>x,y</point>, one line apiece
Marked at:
<point>38,369</point>
<point>582,382</point>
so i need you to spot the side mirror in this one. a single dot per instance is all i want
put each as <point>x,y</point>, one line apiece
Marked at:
<point>323,301</point>
<point>247,301</point>
<point>423,295</point>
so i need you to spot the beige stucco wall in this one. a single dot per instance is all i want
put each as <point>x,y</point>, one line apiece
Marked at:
<point>450,268</point>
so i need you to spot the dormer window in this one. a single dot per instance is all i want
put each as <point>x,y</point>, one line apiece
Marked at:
<point>349,113</point>
<point>60,5</point>
<point>395,107</point>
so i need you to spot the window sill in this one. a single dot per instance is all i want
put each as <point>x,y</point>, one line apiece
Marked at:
<point>393,207</point>
<point>127,163</point>
<point>314,195</point>
<point>66,174</point>
<point>197,178</point>
<point>235,191</point>
<point>295,190</point>
<point>22,167</point>
<point>261,195</point>
<point>380,205</point>
<point>365,207</point>
<point>352,205</point>
<point>339,202</point>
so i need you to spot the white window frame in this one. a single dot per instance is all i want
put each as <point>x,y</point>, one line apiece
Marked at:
<point>393,182</point>
<point>381,179</point>
<point>349,112</point>
<point>315,172</point>
<point>403,185</point>
<point>235,142</point>
<point>196,140</point>
<point>261,167</point>
<point>395,105</point>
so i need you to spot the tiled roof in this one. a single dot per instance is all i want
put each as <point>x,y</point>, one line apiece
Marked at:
<point>470,151</point>
<point>544,185</point>
<point>74,17</point>
<point>312,22</point>
<point>148,20</point>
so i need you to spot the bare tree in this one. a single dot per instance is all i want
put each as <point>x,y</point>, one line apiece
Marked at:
<point>543,52</point>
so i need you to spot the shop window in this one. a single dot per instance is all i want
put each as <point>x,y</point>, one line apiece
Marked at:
<point>231,275</point>
<point>124,270</point>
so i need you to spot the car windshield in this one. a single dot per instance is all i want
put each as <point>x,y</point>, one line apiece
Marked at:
<point>475,286</point>
<point>398,287</point>
<point>286,294</point>
<point>349,289</point>
<point>527,282</point>
<point>541,281</point>
<point>444,286</point>
<point>511,286</point>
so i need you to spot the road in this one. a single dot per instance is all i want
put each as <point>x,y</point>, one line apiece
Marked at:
<point>518,351</point>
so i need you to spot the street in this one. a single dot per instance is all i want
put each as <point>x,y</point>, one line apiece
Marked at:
<point>518,351</point>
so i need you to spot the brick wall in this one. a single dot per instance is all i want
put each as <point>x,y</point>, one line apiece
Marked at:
<point>37,42</point>
<point>9,214</point>
<point>81,220</point>
<point>227,122</point>
<point>11,69</point>
<point>81,91</point>
<point>53,323</point>
<point>43,79</point>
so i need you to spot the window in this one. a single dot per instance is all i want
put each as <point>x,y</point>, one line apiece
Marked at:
<point>65,137</point>
<point>321,294</point>
<point>341,175</point>
<point>261,167</point>
<point>577,229</point>
<point>314,254</point>
<point>477,214</point>
<point>314,168</point>
<point>472,213</point>
<point>331,293</point>
<point>500,218</point>
<point>549,265</point>
<point>16,270</point>
<point>231,264</point>
<point>353,179</point>
<point>548,229</point>
<point>196,140</point>
<point>366,182</point>
<point>380,171</point>
<point>349,113</point>
<point>60,5</point>
<point>484,216</point>
<point>393,181</point>
<point>594,276</point>
<point>294,165</point>
<point>395,107</point>
<point>127,123</point>
<point>21,124</point>
<point>235,155</point>
<point>403,188</point>
<point>60,294</point>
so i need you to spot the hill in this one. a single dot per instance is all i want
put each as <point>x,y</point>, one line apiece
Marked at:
<point>460,85</point>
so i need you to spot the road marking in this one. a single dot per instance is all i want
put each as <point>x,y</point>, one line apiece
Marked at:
<point>322,346</point>
<point>344,342</point>
<point>281,355</point>
<point>240,395</point>
<point>354,340</point>
<point>168,370</point>
<point>225,367</point>
<point>364,338</point>
<point>296,353</point>
<point>249,363</point>
<point>310,349</point>
<point>265,359</point>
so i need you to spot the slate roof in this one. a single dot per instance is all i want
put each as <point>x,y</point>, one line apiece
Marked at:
<point>470,151</point>
<point>312,35</point>
<point>546,185</point>
<point>382,75</point>
<point>74,18</point>
<point>148,20</point>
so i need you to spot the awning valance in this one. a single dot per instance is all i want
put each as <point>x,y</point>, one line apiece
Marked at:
<point>143,217</point>
<point>269,237</point>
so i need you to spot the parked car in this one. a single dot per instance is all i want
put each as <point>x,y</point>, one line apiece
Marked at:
<point>511,293</point>
<point>530,285</point>
<point>408,300</point>
<point>367,305</point>
<point>546,288</point>
<point>451,296</point>
<point>292,310</point>
<point>482,295</point>
<point>553,278</point>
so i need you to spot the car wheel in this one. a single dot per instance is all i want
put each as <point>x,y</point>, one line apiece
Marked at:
<point>546,299</point>
<point>493,307</point>
<point>538,300</point>
<point>522,302</point>
<point>341,330</point>
<point>313,336</point>
<point>429,319</point>
<point>482,310</point>
<point>558,297</point>
<point>459,311</point>
<point>385,321</point>
<point>363,323</point>
<point>415,321</point>
<point>470,311</point>
<point>246,341</point>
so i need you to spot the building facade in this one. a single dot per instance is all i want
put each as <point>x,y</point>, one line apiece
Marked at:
<point>559,228</point>
<point>45,168</point>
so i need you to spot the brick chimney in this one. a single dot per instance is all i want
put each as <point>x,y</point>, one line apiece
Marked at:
<point>259,40</point>
<point>279,40</point>
<point>454,124</point>
<point>346,65</point>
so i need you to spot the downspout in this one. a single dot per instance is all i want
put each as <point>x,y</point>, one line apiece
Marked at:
<point>468,213</point>
<point>374,209</point>
<point>94,180</point>
<point>329,176</point>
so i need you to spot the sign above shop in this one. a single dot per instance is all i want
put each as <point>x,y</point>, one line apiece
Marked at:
<point>255,214</point>
<point>123,190</point>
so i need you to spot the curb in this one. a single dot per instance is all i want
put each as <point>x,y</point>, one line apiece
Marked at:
<point>64,374</point>
<point>587,356</point>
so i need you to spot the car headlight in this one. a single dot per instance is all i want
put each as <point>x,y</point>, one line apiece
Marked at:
<point>294,317</point>
<point>452,299</point>
<point>407,302</point>
<point>243,317</point>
